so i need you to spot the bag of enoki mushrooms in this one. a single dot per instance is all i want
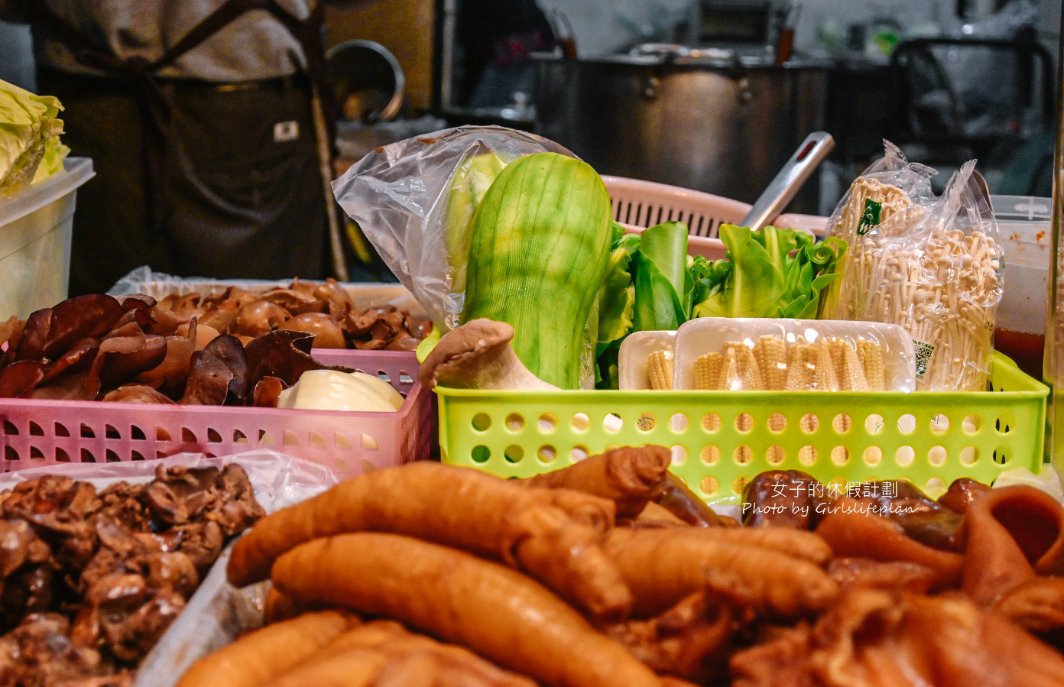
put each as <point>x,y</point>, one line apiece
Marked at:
<point>890,195</point>
<point>941,279</point>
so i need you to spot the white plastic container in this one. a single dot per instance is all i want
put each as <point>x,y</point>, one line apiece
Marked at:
<point>632,358</point>
<point>706,334</point>
<point>1025,231</point>
<point>1024,227</point>
<point>35,230</point>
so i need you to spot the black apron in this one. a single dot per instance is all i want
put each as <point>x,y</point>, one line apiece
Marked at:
<point>196,178</point>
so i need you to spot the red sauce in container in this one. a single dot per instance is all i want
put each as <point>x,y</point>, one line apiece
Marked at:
<point>1025,349</point>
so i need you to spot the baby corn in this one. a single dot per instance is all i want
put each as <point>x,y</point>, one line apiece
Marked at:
<point>870,354</point>
<point>659,370</point>
<point>707,371</point>
<point>827,364</point>
<point>771,354</point>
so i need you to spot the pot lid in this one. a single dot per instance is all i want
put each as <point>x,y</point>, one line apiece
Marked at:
<point>674,54</point>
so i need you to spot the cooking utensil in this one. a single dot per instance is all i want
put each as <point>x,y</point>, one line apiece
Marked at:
<point>795,172</point>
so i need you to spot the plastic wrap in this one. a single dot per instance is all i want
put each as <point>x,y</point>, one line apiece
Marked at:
<point>399,193</point>
<point>889,196</point>
<point>158,285</point>
<point>759,354</point>
<point>278,479</point>
<point>942,280</point>
<point>217,611</point>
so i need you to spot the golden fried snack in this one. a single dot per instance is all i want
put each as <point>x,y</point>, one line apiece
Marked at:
<point>568,557</point>
<point>661,566</point>
<point>798,543</point>
<point>690,640</point>
<point>629,476</point>
<point>357,667</point>
<point>654,515</point>
<point>459,507</point>
<point>383,652</point>
<point>860,535</point>
<point>278,607</point>
<point>1013,534</point>
<point>901,576</point>
<point>264,653</point>
<point>492,610</point>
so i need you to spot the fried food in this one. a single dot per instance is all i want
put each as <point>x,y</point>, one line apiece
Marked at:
<point>265,653</point>
<point>529,527</point>
<point>629,476</point>
<point>690,640</point>
<point>496,612</point>
<point>383,652</point>
<point>664,565</point>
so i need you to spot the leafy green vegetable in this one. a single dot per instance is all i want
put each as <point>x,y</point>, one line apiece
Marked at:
<point>659,277</point>
<point>616,299</point>
<point>651,282</point>
<point>773,272</point>
<point>647,287</point>
<point>30,149</point>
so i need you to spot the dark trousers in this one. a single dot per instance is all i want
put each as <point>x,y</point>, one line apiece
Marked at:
<point>232,190</point>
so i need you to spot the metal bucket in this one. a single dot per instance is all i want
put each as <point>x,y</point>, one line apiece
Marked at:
<point>706,120</point>
<point>367,81</point>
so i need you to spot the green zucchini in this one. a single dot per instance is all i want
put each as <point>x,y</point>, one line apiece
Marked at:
<point>538,253</point>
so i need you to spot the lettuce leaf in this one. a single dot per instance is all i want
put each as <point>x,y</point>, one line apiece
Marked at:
<point>773,272</point>
<point>29,137</point>
<point>646,288</point>
<point>659,277</point>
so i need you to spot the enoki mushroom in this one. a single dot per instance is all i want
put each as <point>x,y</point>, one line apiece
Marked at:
<point>944,293</point>
<point>895,212</point>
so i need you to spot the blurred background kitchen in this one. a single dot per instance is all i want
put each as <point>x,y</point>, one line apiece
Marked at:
<point>707,94</point>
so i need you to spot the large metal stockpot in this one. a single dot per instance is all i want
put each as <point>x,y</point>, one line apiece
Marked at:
<point>711,120</point>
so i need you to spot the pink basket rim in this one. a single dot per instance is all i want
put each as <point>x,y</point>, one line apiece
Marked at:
<point>650,190</point>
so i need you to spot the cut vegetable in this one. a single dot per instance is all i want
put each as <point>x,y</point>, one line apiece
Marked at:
<point>538,254</point>
<point>335,390</point>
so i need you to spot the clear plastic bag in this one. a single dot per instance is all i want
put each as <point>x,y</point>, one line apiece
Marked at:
<point>888,197</point>
<point>764,354</point>
<point>399,196</point>
<point>942,280</point>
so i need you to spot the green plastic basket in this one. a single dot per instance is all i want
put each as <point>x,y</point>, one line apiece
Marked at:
<point>720,439</point>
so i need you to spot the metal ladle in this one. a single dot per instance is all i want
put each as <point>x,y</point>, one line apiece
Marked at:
<point>795,172</point>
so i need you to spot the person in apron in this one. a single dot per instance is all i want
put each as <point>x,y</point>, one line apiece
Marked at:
<point>208,132</point>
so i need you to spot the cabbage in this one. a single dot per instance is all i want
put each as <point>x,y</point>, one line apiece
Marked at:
<point>30,127</point>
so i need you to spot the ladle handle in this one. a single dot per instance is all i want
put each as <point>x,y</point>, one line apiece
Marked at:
<point>797,170</point>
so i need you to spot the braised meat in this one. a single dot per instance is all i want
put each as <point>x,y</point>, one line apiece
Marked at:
<point>91,579</point>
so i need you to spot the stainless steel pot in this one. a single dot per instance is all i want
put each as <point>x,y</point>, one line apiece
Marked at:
<point>710,120</point>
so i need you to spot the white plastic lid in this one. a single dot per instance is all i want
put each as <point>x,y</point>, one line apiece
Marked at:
<point>76,171</point>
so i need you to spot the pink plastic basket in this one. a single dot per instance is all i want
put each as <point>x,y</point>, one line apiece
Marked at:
<point>639,204</point>
<point>34,433</point>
